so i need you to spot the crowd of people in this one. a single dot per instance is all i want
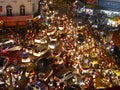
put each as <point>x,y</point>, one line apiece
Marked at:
<point>80,46</point>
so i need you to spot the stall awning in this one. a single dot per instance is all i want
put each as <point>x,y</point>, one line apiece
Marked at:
<point>15,20</point>
<point>10,23</point>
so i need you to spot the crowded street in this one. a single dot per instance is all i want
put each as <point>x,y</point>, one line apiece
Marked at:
<point>59,50</point>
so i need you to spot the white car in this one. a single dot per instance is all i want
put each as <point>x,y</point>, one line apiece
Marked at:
<point>53,45</point>
<point>6,41</point>
<point>15,48</point>
<point>11,47</point>
<point>26,60</point>
<point>94,26</point>
<point>40,40</point>
<point>61,27</point>
<point>53,38</point>
<point>51,32</point>
<point>30,49</point>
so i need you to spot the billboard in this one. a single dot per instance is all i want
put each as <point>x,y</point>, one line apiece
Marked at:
<point>109,4</point>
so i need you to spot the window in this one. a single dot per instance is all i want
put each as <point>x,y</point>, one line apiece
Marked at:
<point>22,10</point>
<point>0,8</point>
<point>33,7</point>
<point>9,10</point>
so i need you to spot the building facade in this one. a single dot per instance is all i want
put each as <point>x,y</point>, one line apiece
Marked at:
<point>17,12</point>
<point>18,7</point>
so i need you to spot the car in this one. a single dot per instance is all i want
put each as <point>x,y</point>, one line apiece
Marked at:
<point>6,41</point>
<point>15,48</point>
<point>26,60</point>
<point>4,61</point>
<point>44,70</point>
<point>40,50</point>
<point>53,38</point>
<point>11,47</point>
<point>30,69</point>
<point>94,26</point>
<point>61,27</point>
<point>73,87</point>
<point>61,30</point>
<point>59,61</point>
<point>45,74</point>
<point>64,75</point>
<point>41,40</point>
<point>30,48</point>
<point>51,31</point>
<point>25,57</point>
<point>53,45</point>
